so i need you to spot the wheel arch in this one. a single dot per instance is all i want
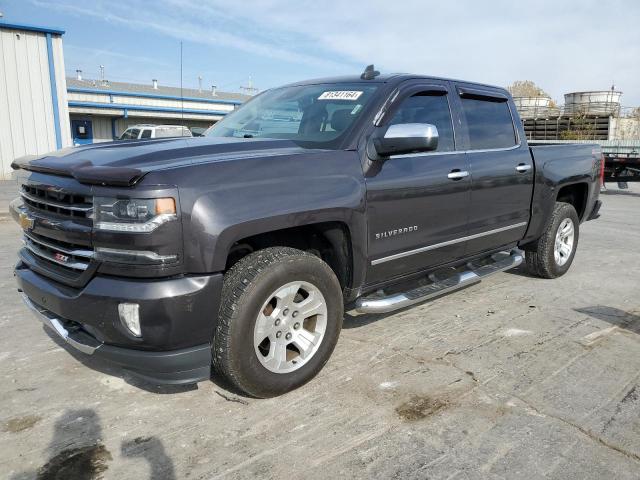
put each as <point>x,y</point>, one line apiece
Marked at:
<point>575,194</point>
<point>330,239</point>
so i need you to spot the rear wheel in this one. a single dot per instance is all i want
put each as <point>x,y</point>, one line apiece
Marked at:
<point>279,321</point>
<point>552,254</point>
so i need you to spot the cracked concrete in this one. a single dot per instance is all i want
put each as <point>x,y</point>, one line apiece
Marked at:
<point>513,378</point>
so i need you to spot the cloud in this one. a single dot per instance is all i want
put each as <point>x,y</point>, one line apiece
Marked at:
<point>562,46</point>
<point>94,53</point>
<point>171,22</point>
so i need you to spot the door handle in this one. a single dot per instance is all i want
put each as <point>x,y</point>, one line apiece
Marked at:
<point>457,174</point>
<point>523,167</point>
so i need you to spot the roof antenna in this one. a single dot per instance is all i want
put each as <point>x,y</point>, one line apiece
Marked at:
<point>369,73</point>
<point>181,95</point>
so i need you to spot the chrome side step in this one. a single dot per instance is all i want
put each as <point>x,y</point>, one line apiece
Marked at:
<point>378,304</point>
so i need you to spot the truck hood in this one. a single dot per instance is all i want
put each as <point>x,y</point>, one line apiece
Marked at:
<point>125,163</point>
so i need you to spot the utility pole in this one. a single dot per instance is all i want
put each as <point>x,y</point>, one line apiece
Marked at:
<point>199,83</point>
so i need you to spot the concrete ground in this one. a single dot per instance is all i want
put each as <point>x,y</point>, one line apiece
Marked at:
<point>516,377</point>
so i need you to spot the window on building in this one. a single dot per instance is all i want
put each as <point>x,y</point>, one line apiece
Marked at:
<point>432,108</point>
<point>490,124</point>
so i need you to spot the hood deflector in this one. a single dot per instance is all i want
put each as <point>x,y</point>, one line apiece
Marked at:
<point>83,172</point>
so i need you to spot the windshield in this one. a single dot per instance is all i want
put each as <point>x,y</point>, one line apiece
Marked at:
<point>314,115</point>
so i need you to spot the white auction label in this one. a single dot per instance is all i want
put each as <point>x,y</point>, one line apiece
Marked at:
<point>340,95</point>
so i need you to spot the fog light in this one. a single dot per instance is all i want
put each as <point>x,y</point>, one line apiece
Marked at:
<point>130,317</point>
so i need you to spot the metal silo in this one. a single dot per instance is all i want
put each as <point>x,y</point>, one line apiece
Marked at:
<point>600,103</point>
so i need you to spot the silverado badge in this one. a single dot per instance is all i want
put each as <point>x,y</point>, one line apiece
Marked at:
<point>396,231</point>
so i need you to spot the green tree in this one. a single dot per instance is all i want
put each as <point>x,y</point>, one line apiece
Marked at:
<point>527,88</point>
<point>580,128</point>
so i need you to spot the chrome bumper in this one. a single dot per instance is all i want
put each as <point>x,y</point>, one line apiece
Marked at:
<point>82,342</point>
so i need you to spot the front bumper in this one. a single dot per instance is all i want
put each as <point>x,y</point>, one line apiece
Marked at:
<point>177,318</point>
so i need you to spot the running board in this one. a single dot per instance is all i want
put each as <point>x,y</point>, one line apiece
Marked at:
<point>377,304</point>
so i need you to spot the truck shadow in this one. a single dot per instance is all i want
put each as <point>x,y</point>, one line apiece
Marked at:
<point>626,320</point>
<point>76,451</point>
<point>521,271</point>
<point>109,369</point>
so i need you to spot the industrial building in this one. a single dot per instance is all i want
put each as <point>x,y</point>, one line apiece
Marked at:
<point>587,117</point>
<point>595,115</point>
<point>100,110</point>
<point>41,110</point>
<point>34,115</point>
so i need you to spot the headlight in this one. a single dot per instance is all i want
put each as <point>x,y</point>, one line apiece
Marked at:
<point>133,215</point>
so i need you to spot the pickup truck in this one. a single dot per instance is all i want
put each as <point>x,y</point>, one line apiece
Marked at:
<point>240,251</point>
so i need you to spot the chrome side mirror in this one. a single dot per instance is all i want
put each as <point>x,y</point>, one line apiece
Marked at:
<point>405,138</point>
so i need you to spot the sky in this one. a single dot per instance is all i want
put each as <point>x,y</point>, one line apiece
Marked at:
<point>563,46</point>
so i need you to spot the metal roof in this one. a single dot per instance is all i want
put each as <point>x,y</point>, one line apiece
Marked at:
<point>30,28</point>
<point>148,90</point>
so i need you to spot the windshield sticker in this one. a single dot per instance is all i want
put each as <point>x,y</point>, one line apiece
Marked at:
<point>340,95</point>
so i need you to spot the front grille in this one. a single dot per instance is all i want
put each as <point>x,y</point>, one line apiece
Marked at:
<point>67,255</point>
<point>57,201</point>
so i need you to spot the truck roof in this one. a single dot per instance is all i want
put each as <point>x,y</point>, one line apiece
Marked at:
<point>388,78</point>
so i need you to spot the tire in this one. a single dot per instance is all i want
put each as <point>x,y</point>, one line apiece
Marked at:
<point>249,298</point>
<point>544,258</point>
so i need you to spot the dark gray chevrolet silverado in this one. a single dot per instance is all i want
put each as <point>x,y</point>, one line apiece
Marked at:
<point>240,251</point>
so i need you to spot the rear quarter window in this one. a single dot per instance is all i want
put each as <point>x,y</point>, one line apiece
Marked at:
<point>489,123</point>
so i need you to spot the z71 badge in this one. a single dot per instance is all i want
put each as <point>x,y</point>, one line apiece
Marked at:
<point>395,232</point>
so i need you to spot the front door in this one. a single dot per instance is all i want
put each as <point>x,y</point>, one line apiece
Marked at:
<point>417,203</point>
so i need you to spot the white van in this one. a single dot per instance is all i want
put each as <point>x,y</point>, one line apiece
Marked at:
<point>155,131</point>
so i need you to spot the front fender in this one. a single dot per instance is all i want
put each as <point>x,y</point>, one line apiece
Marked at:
<point>255,196</point>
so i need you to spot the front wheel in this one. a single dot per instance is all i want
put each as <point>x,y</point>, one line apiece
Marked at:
<point>280,317</point>
<point>552,254</point>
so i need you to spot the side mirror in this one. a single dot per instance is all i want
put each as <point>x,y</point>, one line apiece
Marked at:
<point>404,138</point>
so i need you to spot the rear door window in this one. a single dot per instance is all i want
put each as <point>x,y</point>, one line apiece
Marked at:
<point>489,124</point>
<point>428,107</point>
<point>146,134</point>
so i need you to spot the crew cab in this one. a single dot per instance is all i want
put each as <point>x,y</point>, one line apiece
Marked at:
<point>241,250</point>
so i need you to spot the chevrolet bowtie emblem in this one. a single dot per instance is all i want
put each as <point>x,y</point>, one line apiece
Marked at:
<point>25,221</point>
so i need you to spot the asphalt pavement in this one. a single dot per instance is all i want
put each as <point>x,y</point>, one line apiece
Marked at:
<point>513,378</point>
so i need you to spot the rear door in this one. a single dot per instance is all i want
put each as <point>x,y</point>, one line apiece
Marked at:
<point>417,203</point>
<point>501,169</point>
